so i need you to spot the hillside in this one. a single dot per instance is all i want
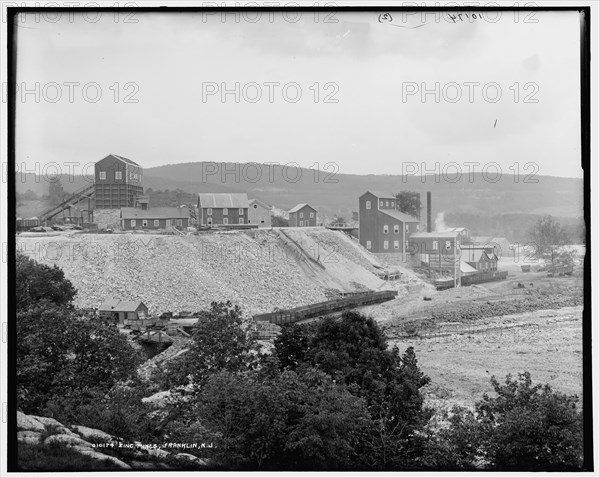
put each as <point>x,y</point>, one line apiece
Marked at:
<point>332,192</point>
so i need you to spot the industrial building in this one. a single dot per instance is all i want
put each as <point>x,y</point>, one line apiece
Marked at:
<point>118,182</point>
<point>382,228</point>
<point>122,310</point>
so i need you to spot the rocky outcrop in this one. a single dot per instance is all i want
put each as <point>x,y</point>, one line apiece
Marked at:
<point>101,446</point>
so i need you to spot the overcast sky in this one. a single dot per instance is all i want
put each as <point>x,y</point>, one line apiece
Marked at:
<point>347,92</point>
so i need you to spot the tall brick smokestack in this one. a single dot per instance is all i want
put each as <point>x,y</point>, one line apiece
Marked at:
<point>428,211</point>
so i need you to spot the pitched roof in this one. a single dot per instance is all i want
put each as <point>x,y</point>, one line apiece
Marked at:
<point>124,159</point>
<point>223,200</point>
<point>258,201</point>
<point>117,305</point>
<point>399,215</point>
<point>155,213</point>
<point>381,194</point>
<point>297,207</point>
<point>466,268</point>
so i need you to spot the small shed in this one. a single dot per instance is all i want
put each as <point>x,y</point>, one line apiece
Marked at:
<point>122,310</point>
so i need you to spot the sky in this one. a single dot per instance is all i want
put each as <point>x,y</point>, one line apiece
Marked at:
<point>302,89</point>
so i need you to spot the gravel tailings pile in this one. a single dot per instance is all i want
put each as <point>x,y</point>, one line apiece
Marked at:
<point>174,273</point>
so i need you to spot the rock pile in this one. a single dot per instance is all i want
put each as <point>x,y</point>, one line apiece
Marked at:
<point>43,431</point>
<point>173,273</point>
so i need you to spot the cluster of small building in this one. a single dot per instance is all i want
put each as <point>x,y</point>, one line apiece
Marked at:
<point>119,185</point>
<point>448,254</point>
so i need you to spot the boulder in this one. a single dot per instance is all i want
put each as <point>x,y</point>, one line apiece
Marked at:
<point>191,458</point>
<point>92,434</point>
<point>49,422</point>
<point>68,440</point>
<point>29,437</point>
<point>158,453</point>
<point>25,422</point>
<point>64,431</point>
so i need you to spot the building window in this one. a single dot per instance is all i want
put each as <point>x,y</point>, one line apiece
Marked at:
<point>241,221</point>
<point>368,204</point>
<point>406,228</point>
<point>209,211</point>
<point>225,220</point>
<point>133,223</point>
<point>396,244</point>
<point>102,174</point>
<point>180,222</point>
<point>301,223</point>
<point>368,244</point>
<point>118,175</point>
<point>225,211</point>
<point>312,215</point>
<point>380,203</point>
<point>241,211</point>
<point>301,214</point>
<point>156,223</point>
<point>435,245</point>
<point>385,229</point>
<point>418,227</point>
<point>144,222</point>
<point>386,244</point>
<point>448,244</point>
<point>396,229</point>
<point>387,204</point>
<point>255,206</point>
<point>209,221</point>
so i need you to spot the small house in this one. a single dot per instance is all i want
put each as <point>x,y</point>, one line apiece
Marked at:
<point>303,215</point>
<point>122,310</point>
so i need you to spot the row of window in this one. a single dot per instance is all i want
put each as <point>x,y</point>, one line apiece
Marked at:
<point>312,215</point>
<point>179,222</point>
<point>118,175</point>
<point>386,244</point>
<point>209,212</point>
<point>209,221</point>
<point>381,204</point>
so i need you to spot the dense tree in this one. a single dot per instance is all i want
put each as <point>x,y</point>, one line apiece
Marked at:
<point>354,352</point>
<point>62,351</point>
<point>409,202</point>
<point>522,427</point>
<point>548,236</point>
<point>293,421</point>
<point>56,192</point>
<point>222,341</point>
<point>38,282</point>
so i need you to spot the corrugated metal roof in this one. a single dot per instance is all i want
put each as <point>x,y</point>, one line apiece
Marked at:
<point>116,305</point>
<point>223,200</point>
<point>297,207</point>
<point>155,213</point>
<point>399,215</point>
